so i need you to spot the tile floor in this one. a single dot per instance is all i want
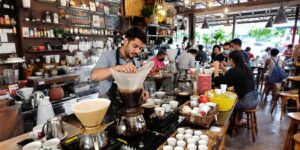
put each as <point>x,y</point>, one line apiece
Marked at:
<point>271,131</point>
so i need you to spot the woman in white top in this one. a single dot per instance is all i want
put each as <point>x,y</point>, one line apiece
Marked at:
<point>269,67</point>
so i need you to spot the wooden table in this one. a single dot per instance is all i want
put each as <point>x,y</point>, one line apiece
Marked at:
<point>11,144</point>
<point>258,76</point>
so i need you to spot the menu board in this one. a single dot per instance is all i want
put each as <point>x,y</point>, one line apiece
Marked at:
<point>112,22</point>
<point>79,17</point>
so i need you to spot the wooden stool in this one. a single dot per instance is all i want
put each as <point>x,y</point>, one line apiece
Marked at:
<point>251,121</point>
<point>285,95</point>
<point>295,121</point>
<point>297,141</point>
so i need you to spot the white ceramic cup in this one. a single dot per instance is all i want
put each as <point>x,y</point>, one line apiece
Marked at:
<point>187,136</point>
<point>193,103</point>
<point>180,137</point>
<point>171,141</point>
<point>194,98</point>
<point>180,130</point>
<point>178,148</point>
<point>33,146</point>
<point>159,111</point>
<point>167,107</point>
<point>181,143</point>
<point>167,147</point>
<point>218,91</point>
<point>56,58</point>
<point>174,104</point>
<point>158,101</point>
<point>198,132</point>
<point>202,147</point>
<point>52,143</point>
<point>189,131</point>
<point>196,137</point>
<point>204,137</point>
<point>223,88</point>
<point>191,141</point>
<point>192,147</point>
<point>202,142</point>
<point>48,59</point>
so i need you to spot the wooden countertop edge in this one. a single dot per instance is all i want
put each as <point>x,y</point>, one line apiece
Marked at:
<point>11,144</point>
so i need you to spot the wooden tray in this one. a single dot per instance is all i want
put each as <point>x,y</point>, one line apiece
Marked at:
<point>203,121</point>
<point>212,142</point>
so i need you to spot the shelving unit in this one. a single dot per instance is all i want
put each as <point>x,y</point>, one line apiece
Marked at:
<point>46,51</point>
<point>156,32</point>
<point>51,80</point>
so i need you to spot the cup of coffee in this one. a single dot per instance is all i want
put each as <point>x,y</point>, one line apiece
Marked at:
<point>159,111</point>
<point>223,88</point>
<point>183,96</point>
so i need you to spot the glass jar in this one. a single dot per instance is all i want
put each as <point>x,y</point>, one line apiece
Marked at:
<point>47,17</point>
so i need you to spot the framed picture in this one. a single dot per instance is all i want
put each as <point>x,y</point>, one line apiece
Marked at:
<point>96,21</point>
<point>92,6</point>
<point>102,21</point>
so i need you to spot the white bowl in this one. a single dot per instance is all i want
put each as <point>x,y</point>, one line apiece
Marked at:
<point>181,143</point>
<point>174,104</point>
<point>181,130</point>
<point>178,148</point>
<point>189,131</point>
<point>160,94</point>
<point>52,143</point>
<point>171,141</point>
<point>192,147</point>
<point>179,137</point>
<point>198,132</point>
<point>167,107</point>
<point>33,146</point>
<point>204,137</point>
<point>158,101</point>
<point>202,147</point>
<point>202,142</point>
<point>167,147</point>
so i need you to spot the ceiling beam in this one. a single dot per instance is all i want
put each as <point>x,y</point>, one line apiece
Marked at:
<point>251,5</point>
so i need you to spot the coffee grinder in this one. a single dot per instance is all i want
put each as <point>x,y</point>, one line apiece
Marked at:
<point>91,113</point>
<point>130,85</point>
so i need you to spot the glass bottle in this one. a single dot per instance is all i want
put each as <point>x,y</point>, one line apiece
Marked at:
<point>48,17</point>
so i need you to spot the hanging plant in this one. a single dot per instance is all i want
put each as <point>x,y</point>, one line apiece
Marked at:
<point>147,11</point>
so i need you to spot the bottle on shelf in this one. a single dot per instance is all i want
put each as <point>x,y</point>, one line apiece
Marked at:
<point>5,4</point>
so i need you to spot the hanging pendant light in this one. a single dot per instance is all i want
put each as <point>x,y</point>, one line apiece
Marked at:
<point>281,17</point>
<point>205,24</point>
<point>159,11</point>
<point>182,27</point>
<point>269,23</point>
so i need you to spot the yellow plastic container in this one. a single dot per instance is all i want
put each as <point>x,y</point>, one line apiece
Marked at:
<point>225,101</point>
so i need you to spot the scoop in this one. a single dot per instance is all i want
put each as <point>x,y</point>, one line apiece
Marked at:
<point>91,112</point>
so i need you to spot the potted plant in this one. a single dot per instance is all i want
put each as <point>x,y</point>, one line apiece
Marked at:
<point>147,11</point>
<point>59,33</point>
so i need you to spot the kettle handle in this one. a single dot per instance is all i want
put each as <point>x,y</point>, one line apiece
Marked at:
<point>45,133</point>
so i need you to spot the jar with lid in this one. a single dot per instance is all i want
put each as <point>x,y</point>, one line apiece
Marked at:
<point>47,17</point>
<point>6,19</point>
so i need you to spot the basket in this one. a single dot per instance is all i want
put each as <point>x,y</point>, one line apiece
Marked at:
<point>212,142</point>
<point>225,101</point>
<point>203,121</point>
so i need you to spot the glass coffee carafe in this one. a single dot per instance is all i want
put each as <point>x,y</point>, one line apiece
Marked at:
<point>130,85</point>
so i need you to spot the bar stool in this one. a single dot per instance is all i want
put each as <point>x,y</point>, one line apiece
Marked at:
<point>251,121</point>
<point>295,121</point>
<point>285,96</point>
<point>297,141</point>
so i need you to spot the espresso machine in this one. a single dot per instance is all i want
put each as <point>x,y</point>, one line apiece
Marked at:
<point>130,85</point>
<point>91,113</point>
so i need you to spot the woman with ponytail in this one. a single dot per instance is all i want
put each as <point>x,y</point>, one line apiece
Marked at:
<point>241,78</point>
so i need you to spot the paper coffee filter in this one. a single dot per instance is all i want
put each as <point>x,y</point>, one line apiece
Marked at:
<point>171,54</point>
<point>91,112</point>
<point>132,81</point>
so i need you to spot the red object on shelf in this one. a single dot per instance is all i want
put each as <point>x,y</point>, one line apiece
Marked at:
<point>203,99</point>
<point>204,83</point>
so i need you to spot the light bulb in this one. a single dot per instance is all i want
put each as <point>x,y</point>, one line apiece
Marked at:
<point>225,10</point>
<point>209,4</point>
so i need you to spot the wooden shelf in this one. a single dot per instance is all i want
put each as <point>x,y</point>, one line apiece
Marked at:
<point>159,35</point>
<point>92,35</point>
<point>46,51</point>
<point>6,26</point>
<point>52,80</point>
<point>57,38</point>
<point>41,23</point>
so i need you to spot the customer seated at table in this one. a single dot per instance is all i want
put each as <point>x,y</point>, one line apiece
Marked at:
<point>269,66</point>
<point>223,57</point>
<point>159,61</point>
<point>241,78</point>
<point>216,51</point>
<point>236,44</point>
<point>201,55</point>
<point>187,60</point>
<point>250,55</point>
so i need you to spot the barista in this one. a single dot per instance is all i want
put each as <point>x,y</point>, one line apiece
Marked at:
<point>121,60</point>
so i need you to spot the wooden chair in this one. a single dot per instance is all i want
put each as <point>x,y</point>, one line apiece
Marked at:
<point>285,96</point>
<point>295,121</point>
<point>251,121</point>
<point>297,141</point>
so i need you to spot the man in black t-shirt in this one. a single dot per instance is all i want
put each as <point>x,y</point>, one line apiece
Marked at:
<point>223,57</point>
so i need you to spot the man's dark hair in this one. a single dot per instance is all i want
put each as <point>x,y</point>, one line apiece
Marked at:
<point>136,32</point>
<point>226,44</point>
<point>200,47</point>
<point>268,49</point>
<point>290,46</point>
<point>274,52</point>
<point>236,41</point>
<point>185,38</point>
<point>248,49</point>
<point>192,51</point>
<point>161,52</point>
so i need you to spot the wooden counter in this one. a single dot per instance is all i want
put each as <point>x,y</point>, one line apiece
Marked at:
<point>11,144</point>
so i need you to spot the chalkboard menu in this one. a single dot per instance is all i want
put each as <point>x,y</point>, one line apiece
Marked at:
<point>79,17</point>
<point>112,22</point>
